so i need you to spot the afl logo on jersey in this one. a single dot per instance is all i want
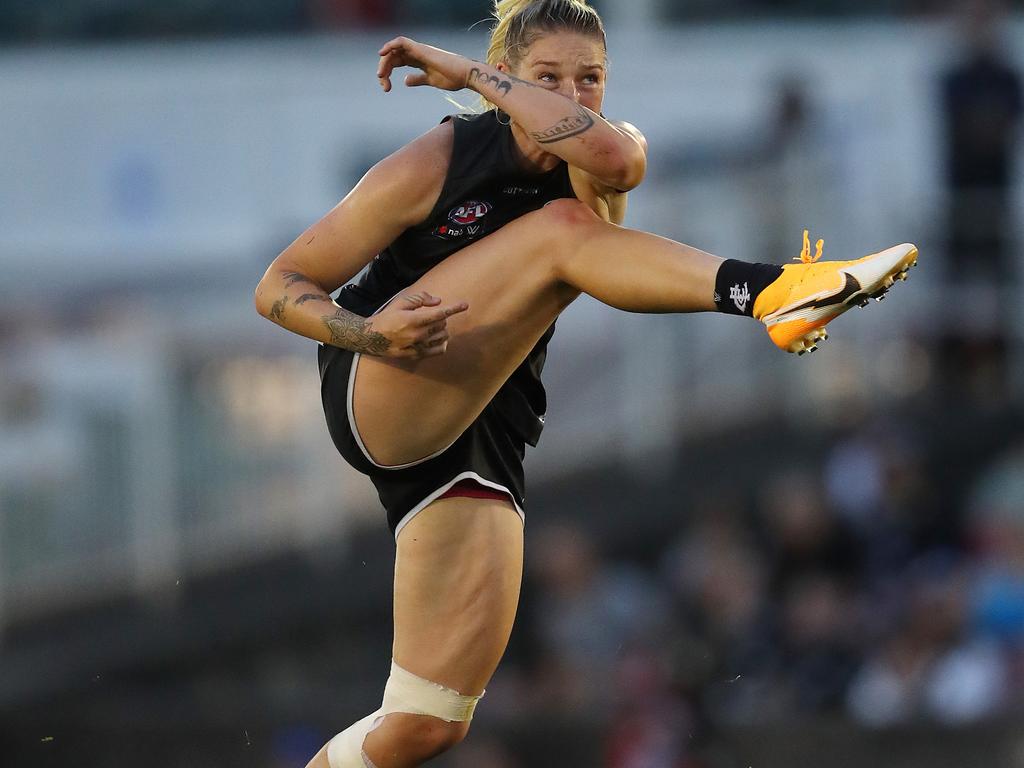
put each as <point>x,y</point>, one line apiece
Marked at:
<point>468,213</point>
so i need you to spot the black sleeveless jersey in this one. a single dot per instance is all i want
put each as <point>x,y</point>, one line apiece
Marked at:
<point>484,190</point>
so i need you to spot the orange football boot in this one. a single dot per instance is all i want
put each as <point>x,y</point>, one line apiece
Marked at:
<point>807,296</point>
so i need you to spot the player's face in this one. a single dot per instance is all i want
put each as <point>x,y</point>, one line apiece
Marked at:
<point>572,64</point>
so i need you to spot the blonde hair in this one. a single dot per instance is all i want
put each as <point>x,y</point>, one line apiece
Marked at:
<point>518,24</point>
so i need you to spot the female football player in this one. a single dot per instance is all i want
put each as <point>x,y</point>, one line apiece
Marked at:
<point>480,233</point>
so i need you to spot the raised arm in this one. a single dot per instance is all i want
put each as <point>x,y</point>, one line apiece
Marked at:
<point>394,195</point>
<point>613,154</point>
<point>610,153</point>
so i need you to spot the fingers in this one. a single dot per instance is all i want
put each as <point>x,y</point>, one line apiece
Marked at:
<point>440,349</point>
<point>384,69</point>
<point>432,347</point>
<point>421,299</point>
<point>394,44</point>
<point>392,55</point>
<point>440,314</point>
<point>434,342</point>
<point>420,349</point>
<point>441,337</point>
<point>423,322</point>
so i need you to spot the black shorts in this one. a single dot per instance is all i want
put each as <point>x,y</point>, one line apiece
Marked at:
<point>488,452</point>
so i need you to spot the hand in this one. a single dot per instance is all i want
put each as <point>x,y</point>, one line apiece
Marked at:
<point>416,325</point>
<point>441,69</point>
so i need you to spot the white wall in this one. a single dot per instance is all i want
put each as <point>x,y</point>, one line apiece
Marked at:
<point>163,156</point>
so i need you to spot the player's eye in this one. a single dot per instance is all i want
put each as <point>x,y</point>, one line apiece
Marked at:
<point>591,79</point>
<point>547,77</point>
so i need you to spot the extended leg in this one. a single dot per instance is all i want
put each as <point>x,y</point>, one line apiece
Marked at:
<point>519,279</point>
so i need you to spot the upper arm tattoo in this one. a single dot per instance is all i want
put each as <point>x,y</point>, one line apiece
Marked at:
<point>566,128</point>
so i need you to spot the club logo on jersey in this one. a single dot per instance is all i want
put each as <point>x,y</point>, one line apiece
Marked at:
<point>469,212</point>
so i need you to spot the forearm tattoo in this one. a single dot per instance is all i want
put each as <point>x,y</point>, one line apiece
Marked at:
<point>277,310</point>
<point>311,297</point>
<point>291,278</point>
<point>566,128</point>
<point>350,331</point>
<point>502,84</point>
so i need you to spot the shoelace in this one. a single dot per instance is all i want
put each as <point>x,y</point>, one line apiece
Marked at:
<point>805,253</point>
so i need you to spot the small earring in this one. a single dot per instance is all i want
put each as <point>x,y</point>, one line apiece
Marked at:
<point>497,116</point>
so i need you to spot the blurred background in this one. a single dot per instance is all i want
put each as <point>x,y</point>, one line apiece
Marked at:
<point>734,557</point>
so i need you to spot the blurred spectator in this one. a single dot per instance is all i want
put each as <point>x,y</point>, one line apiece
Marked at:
<point>715,571</point>
<point>931,666</point>
<point>982,104</point>
<point>997,529</point>
<point>982,109</point>
<point>875,479</point>
<point>720,582</point>
<point>802,534</point>
<point>587,614</point>
<point>653,727</point>
<point>794,151</point>
<point>817,645</point>
<point>788,149</point>
<point>481,750</point>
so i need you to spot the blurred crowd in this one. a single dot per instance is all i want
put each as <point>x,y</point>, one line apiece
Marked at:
<point>851,588</point>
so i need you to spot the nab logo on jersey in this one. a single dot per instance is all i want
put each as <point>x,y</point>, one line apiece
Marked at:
<point>468,213</point>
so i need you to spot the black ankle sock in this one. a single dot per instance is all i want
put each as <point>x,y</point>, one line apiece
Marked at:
<point>738,284</point>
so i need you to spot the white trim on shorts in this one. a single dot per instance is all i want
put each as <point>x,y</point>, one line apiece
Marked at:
<point>447,486</point>
<point>355,429</point>
<point>352,414</point>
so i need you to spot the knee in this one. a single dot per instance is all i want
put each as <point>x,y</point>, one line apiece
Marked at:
<point>421,737</point>
<point>565,217</point>
<point>558,229</point>
<point>439,736</point>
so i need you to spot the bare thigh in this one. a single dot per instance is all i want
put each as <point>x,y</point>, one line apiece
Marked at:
<point>458,571</point>
<point>517,281</point>
<point>405,410</point>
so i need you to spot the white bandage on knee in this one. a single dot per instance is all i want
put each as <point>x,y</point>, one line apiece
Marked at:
<point>407,693</point>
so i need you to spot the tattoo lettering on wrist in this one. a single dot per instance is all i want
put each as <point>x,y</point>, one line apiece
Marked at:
<point>565,128</point>
<point>311,297</point>
<point>501,84</point>
<point>291,278</point>
<point>277,310</point>
<point>352,332</point>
